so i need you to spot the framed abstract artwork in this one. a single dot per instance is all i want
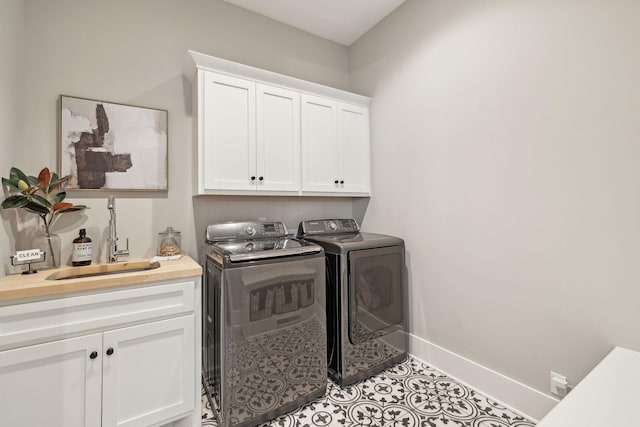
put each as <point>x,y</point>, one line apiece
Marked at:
<point>110,146</point>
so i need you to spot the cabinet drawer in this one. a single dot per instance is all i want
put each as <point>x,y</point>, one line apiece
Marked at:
<point>21,324</point>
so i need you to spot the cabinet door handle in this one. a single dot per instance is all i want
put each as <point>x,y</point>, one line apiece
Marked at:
<point>335,182</point>
<point>341,182</point>
<point>109,351</point>
<point>93,355</point>
<point>253,178</point>
<point>261,178</point>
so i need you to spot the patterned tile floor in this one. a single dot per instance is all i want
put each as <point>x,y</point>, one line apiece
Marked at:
<point>406,395</point>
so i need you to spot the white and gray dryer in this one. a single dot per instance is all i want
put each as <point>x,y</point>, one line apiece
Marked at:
<point>365,279</point>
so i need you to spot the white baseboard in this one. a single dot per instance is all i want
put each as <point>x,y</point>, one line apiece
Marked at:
<point>518,397</point>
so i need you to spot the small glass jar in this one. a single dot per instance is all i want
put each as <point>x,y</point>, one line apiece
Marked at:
<point>170,241</point>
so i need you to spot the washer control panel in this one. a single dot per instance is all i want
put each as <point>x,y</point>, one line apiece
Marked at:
<point>327,226</point>
<point>235,231</point>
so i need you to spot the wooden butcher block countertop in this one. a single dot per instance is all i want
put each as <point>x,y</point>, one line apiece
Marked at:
<point>40,284</point>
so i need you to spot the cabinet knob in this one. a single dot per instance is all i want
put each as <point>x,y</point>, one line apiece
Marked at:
<point>253,178</point>
<point>341,182</point>
<point>261,178</point>
<point>93,355</point>
<point>335,182</point>
<point>109,351</point>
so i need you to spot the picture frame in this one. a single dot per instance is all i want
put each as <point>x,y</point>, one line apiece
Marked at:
<point>111,146</point>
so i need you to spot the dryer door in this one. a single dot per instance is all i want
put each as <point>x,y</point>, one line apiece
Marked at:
<point>376,292</point>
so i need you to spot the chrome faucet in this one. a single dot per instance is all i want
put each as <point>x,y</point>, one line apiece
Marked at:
<point>114,253</point>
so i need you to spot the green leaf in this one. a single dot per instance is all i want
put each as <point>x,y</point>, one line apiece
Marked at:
<point>53,183</point>
<point>32,211</point>
<point>73,208</point>
<point>16,175</point>
<point>33,181</point>
<point>17,201</point>
<point>36,208</point>
<point>41,200</point>
<point>59,197</point>
<point>13,185</point>
<point>9,182</point>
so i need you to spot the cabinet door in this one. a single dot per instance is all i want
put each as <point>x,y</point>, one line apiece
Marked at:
<point>353,148</point>
<point>150,374</point>
<point>278,139</point>
<point>56,384</point>
<point>227,157</point>
<point>319,144</point>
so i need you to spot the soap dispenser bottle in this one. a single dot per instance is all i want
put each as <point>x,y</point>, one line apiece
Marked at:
<point>82,250</point>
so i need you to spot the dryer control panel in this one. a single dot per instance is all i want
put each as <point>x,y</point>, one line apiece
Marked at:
<point>318,227</point>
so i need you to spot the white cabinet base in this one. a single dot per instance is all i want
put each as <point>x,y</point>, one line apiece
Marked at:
<point>56,384</point>
<point>128,357</point>
<point>149,377</point>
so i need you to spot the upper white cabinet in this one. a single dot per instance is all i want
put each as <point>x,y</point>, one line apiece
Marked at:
<point>228,153</point>
<point>264,133</point>
<point>335,146</point>
<point>251,135</point>
<point>278,139</point>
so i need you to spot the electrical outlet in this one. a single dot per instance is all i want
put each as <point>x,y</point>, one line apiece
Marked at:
<point>559,385</point>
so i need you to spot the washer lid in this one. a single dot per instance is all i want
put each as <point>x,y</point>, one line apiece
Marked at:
<point>242,251</point>
<point>355,241</point>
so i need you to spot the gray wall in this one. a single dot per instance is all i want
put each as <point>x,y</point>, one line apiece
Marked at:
<point>11,52</point>
<point>506,142</point>
<point>505,147</point>
<point>133,53</point>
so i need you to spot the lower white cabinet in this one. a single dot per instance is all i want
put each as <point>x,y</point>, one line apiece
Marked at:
<point>148,372</point>
<point>52,384</point>
<point>142,374</point>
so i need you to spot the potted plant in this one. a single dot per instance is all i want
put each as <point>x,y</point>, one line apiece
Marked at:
<point>42,196</point>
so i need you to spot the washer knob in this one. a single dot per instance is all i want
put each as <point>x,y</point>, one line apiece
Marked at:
<point>333,226</point>
<point>249,247</point>
<point>250,231</point>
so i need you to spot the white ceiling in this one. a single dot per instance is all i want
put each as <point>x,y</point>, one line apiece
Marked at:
<point>343,21</point>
